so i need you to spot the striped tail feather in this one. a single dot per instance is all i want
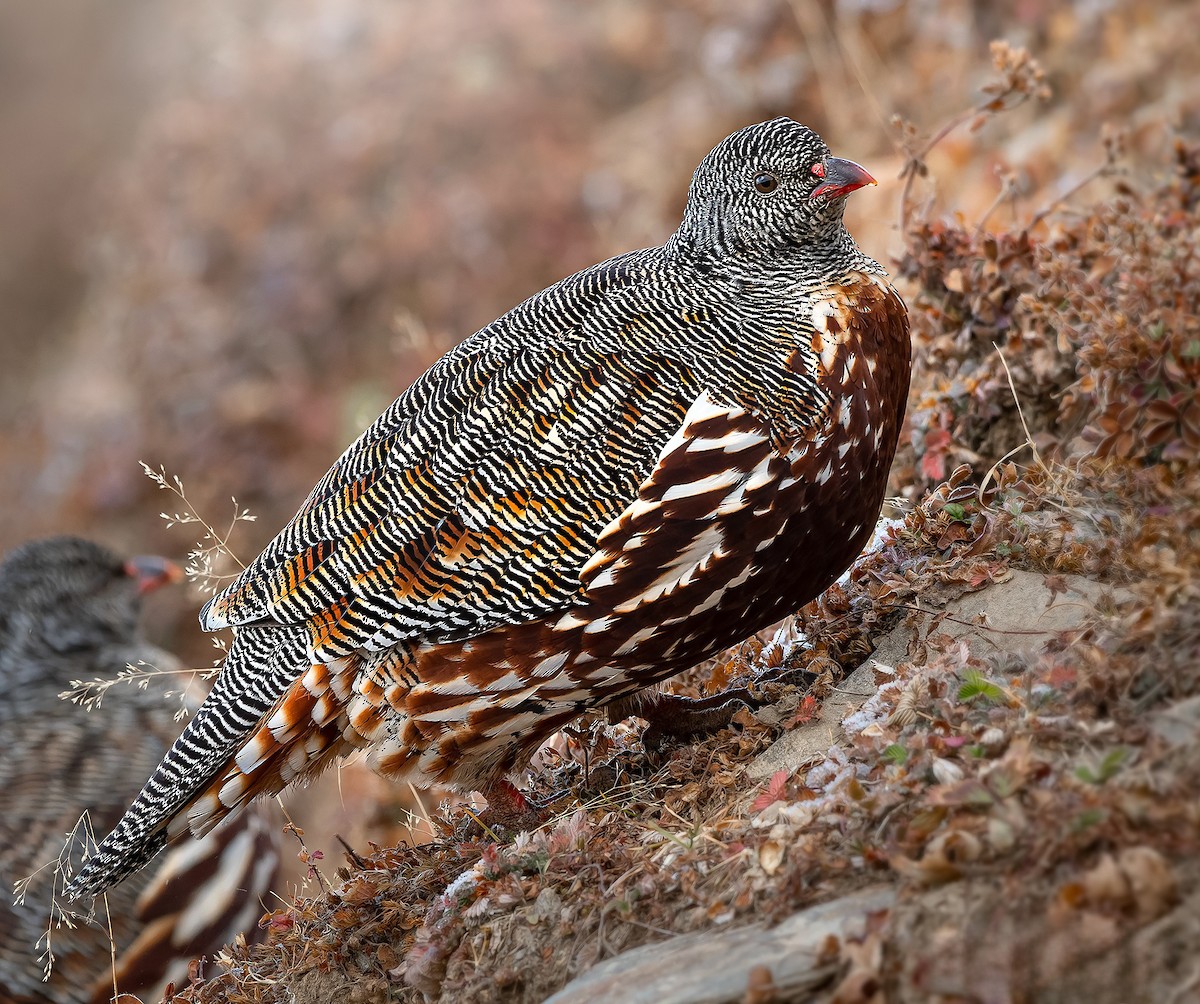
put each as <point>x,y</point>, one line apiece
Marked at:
<point>263,662</point>
<point>297,739</point>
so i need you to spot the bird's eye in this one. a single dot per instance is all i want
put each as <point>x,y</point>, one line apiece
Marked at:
<point>765,183</point>
<point>818,169</point>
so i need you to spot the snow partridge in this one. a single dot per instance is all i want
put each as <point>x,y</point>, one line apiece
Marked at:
<point>633,469</point>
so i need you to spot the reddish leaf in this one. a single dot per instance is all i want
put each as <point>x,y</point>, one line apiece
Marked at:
<point>279,921</point>
<point>773,791</point>
<point>806,712</point>
<point>933,463</point>
<point>1055,584</point>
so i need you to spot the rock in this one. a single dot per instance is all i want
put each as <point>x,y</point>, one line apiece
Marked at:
<point>1022,615</point>
<point>1179,724</point>
<point>716,966</point>
<point>808,743</point>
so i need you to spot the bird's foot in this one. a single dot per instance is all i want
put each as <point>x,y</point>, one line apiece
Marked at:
<point>510,809</point>
<point>670,716</point>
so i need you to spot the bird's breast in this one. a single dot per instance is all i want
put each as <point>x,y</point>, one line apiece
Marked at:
<point>752,511</point>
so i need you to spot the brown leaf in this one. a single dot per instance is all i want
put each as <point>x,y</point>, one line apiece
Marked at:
<point>360,890</point>
<point>1151,879</point>
<point>760,986</point>
<point>971,792</point>
<point>930,870</point>
<point>770,856</point>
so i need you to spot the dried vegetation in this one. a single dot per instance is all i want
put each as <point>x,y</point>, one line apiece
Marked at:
<point>1026,802</point>
<point>1030,806</point>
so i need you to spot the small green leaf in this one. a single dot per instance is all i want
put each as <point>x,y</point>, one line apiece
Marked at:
<point>954,510</point>
<point>1109,766</point>
<point>976,685</point>
<point>896,754</point>
<point>1004,781</point>
<point>1087,819</point>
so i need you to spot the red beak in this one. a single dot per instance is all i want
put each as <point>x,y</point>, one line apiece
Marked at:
<point>151,571</point>
<point>841,178</point>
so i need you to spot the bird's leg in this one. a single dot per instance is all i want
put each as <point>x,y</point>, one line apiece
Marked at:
<point>670,715</point>
<point>512,809</point>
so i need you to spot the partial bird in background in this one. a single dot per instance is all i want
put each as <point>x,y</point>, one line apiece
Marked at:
<point>69,611</point>
<point>628,472</point>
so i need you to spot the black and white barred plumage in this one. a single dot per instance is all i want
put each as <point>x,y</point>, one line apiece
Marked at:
<point>629,471</point>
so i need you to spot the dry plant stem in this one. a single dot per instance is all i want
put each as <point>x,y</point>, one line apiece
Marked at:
<point>350,852</point>
<point>984,627</point>
<point>1020,412</point>
<point>1105,170</point>
<point>425,815</point>
<point>478,819</point>
<point>855,44</point>
<point>175,486</point>
<point>200,567</point>
<point>991,472</point>
<point>1008,190</point>
<point>112,949</point>
<point>812,19</point>
<point>90,693</point>
<point>811,24</point>
<point>914,161</point>
<point>58,916</point>
<point>1021,79</point>
<point>306,857</point>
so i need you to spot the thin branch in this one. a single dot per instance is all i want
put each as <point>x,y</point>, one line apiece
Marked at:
<point>1024,425</point>
<point>1103,171</point>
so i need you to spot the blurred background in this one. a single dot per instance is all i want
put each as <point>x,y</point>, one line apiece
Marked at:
<point>231,234</point>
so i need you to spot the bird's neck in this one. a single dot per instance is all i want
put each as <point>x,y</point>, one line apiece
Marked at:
<point>834,254</point>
